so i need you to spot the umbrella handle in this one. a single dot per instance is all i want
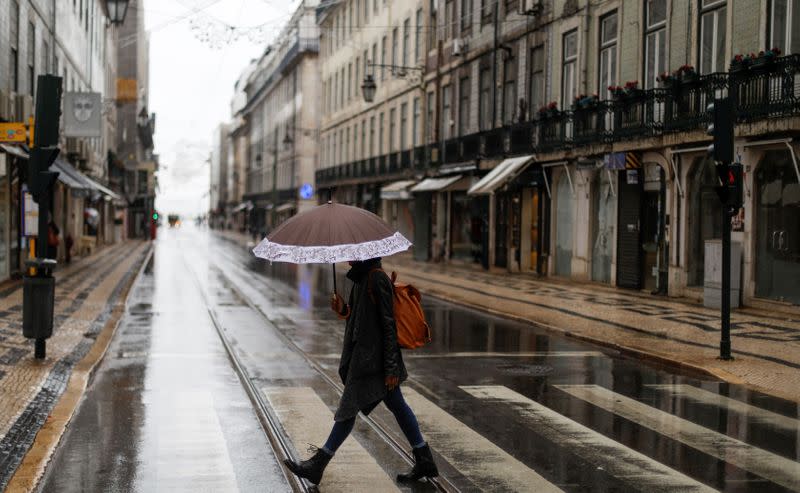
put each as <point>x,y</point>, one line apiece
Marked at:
<point>334,278</point>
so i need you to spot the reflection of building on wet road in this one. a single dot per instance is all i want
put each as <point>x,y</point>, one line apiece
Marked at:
<point>206,361</point>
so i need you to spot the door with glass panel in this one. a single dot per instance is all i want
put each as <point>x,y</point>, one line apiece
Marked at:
<point>778,228</point>
<point>564,222</point>
<point>605,206</point>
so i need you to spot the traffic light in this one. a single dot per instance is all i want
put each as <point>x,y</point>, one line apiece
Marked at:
<point>40,178</point>
<point>721,129</point>
<point>48,110</point>
<point>735,184</point>
<point>155,216</point>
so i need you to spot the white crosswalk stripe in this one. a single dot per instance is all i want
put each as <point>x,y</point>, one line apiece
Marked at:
<point>306,419</point>
<point>753,413</point>
<point>635,469</point>
<point>485,464</point>
<point>770,466</point>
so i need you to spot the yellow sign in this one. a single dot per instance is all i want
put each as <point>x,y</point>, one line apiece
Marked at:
<point>13,133</point>
<point>30,132</point>
<point>633,160</point>
<point>126,91</point>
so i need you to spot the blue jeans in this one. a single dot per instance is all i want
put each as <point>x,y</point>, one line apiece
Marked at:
<point>402,413</point>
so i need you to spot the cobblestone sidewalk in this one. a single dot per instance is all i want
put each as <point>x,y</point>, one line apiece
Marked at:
<point>766,346</point>
<point>86,293</point>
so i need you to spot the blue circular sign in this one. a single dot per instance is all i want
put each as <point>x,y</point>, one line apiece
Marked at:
<point>306,191</point>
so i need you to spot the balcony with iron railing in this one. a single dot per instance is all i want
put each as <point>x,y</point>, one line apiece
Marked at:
<point>760,91</point>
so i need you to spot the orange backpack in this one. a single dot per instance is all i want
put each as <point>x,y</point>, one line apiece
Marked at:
<point>412,329</point>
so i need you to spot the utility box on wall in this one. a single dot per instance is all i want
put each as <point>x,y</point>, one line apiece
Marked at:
<point>712,284</point>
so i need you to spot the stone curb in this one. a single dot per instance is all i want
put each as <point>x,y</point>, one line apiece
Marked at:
<point>668,361</point>
<point>34,464</point>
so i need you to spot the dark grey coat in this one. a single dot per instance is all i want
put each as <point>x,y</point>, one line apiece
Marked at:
<point>370,351</point>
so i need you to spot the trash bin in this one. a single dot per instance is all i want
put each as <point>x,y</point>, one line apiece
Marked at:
<point>37,306</point>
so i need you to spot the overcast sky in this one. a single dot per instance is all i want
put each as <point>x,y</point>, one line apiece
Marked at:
<point>198,48</point>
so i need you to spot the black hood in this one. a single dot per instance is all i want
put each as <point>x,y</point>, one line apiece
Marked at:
<point>362,268</point>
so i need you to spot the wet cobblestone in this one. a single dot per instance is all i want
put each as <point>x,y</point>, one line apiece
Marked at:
<point>30,389</point>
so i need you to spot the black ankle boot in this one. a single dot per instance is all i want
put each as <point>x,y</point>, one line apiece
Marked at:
<point>424,467</point>
<point>312,468</point>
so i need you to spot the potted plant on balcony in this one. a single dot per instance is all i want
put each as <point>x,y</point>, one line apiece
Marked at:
<point>584,102</point>
<point>667,80</point>
<point>765,60</point>
<point>550,110</point>
<point>628,93</point>
<point>632,90</point>
<point>687,74</point>
<point>740,63</point>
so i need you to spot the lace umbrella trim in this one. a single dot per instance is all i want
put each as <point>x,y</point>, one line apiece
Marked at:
<point>331,254</point>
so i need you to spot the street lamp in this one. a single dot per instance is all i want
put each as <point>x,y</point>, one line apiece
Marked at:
<point>368,88</point>
<point>117,10</point>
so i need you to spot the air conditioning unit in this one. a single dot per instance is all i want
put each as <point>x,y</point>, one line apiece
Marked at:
<point>530,7</point>
<point>23,107</point>
<point>6,109</point>
<point>460,46</point>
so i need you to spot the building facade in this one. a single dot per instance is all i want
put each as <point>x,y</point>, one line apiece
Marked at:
<point>282,121</point>
<point>76,42</point>
<point>134,163</point>
<point>368,145</point>
<point>567,138</point>
<point>239,146</point>
<point>220,166</point>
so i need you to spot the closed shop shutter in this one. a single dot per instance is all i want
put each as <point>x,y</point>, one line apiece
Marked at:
<point>629,245</point>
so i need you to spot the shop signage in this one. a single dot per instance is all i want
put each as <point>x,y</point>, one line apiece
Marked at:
<point>11,133</point>
<point>622,160</point>
<point>306,191</point>
<point>126,91</point>
<point>82,111</point>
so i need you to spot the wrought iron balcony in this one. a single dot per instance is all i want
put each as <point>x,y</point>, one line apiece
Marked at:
<point>766,88</point>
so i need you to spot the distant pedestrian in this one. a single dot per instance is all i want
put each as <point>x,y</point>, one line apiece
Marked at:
<point>68,242</point>
<point>372,370</point>
<point>52,240</point>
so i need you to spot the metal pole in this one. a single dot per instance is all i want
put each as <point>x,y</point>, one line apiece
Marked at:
<point>274,214</point>
<point>725,337</point>
<point>494,63</point>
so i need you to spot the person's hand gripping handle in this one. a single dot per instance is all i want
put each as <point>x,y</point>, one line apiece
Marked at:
<point>339,307</point>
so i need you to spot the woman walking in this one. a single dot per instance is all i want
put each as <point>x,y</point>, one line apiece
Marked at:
<point>372,370</point>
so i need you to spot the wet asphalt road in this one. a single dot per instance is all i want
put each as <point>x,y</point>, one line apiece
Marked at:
<point>506,406</point>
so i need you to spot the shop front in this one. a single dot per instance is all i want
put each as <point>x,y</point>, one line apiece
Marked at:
<point>534,216</point>
<point>504,207</point>
<point>5,215</point>
<point>641,219</point>
<point>398,207</point>
<point>704,220</point>
<point>777,228</point>
<point>604,221</point>
<point>453,217</point>
<point>13,170</point>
